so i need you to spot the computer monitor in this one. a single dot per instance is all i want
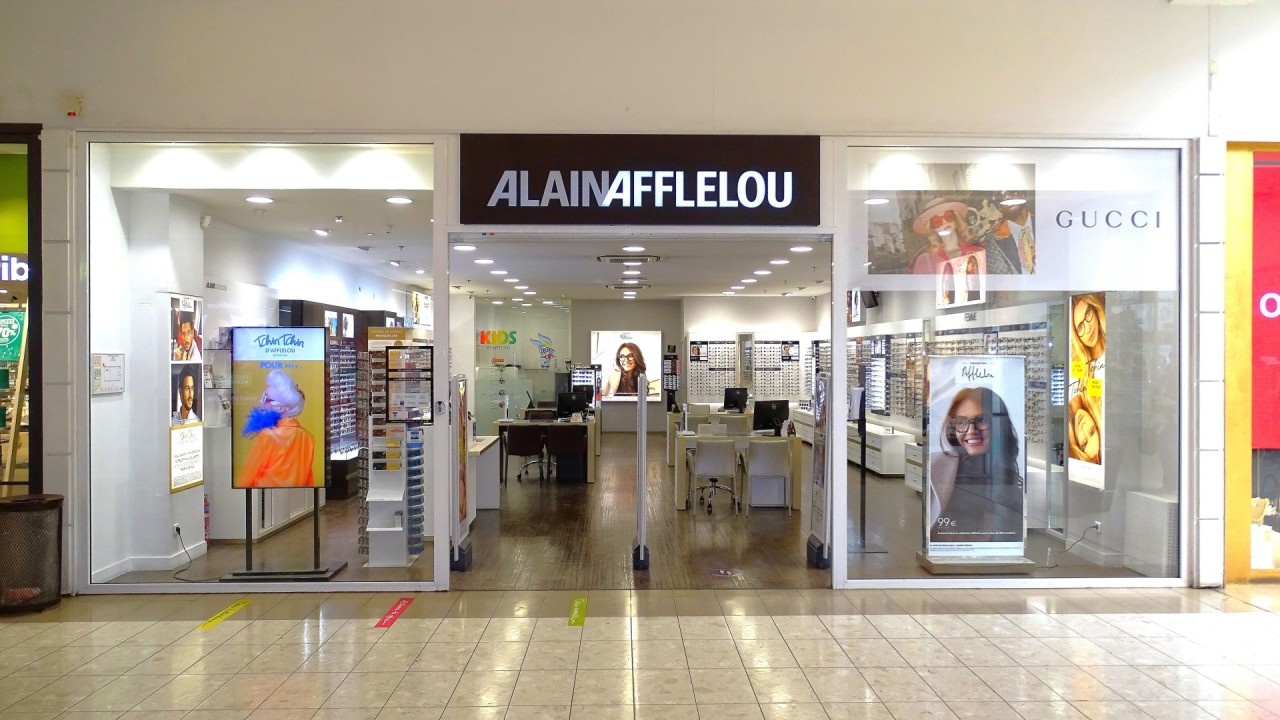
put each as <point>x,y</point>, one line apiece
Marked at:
<point>770,415</point>
<point>735,400</point>
<point>588,390</point>
<point>571,402</point>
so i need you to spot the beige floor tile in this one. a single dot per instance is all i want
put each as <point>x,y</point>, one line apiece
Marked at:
<point>794,711</point>
<point>777,686</point>
<point>898,685</point>
<point>551,656</point>
<point>659,654</point>
<point>612,712</point>
<point>473,713</point>
<point>1236,710</point>
<point>1073,684</point>
<point>346,714</point>
<point>227,714</point>
<point>487,688</point>
<point>424,689</point>
<point>839,685</point>
<point>946,626</point>
<point>389,657</point>
<point>663,687</point>
<point>1173,710</point>
<point>183,692</point>
<point>13,689</point>
<point>1110,710</point>
<point>243,692</point>
<point>606,629</point>
<point>284,657</point>
<point>898,626</point>
<point>1016,684</point>
<point>544,687</point>
<point>59,661</point>
<point>538,712</point>
<point>704,628</point>
<point>63,693</point>
<point>358,630</point>
<point>335,657</point>
<point>225,659</point>
<point>604,687</point>
<point>173,660</point>
<point>720,686</point>
<point>661,712</point>
<point>655,628</point>
<point>287,714</point>
<point>605,655</point>
<point>802,627</point>
<point>857,711</point>
<point>303,690</point>
<point>871,652</point>
<point>509,630</point>
<point>364,690</point>
<point>924,652</point>
<point>440,656</point>
<point>850,627</point>
<point>988,710</point>
<point>497,656</point>
<point>410,630</point>
<point>1190,684</point>
<point>766,654</point>
<point>956,684</point>
<point>753,628</point>
<point>556,630</point>
<point>730,712</point>
<point>159,715</point>
<point>977,652</point>
<point>820,652</point>
<point>712,654</point>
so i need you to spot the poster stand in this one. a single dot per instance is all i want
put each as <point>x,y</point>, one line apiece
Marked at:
<point>862,546</point>
<point>640,549</point>
<point>315,574</point>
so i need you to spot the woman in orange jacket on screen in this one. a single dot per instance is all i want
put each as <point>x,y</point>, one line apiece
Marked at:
<point>283,452</point>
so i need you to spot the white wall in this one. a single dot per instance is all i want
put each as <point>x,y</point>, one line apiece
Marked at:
<point>751,314</point>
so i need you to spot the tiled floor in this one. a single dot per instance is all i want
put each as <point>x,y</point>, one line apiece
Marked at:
<point>652,654</point>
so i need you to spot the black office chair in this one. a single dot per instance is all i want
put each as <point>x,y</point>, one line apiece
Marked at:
<point>540,415</point>
<point>567,444</point>
<point>525,441</point>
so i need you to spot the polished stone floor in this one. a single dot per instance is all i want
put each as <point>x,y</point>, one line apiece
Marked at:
<point>1156,653</point>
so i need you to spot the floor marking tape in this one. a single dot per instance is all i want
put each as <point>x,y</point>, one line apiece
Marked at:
<point>394,613</point>
<point>223,614</point>
<point>578,613</point>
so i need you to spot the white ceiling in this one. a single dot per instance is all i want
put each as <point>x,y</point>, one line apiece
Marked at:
<point>555,268</point>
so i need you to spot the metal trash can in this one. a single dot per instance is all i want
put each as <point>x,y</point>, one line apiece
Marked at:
<point>30,552</point>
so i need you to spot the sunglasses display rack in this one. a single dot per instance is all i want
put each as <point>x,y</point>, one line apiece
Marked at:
<point>777,371</point>
<point>363,409</point>
<point>906,375</point>
<point>712,368</point>
<point>343,440</point>
<point>819,361</point>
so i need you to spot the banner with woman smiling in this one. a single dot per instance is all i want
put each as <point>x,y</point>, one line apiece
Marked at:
<point>1087,328</point>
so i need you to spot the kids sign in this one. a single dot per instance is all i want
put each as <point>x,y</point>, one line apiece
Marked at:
<point>496,337</point>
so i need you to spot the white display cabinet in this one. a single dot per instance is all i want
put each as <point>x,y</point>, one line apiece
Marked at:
<point>885,449</point>
<point>913,466</point>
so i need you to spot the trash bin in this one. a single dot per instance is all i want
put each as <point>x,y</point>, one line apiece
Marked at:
<point>30,552</point>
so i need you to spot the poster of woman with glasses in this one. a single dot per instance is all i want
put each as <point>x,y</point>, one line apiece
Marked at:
<point>625,356</point>
<point>977,456</point>
<point>1087,328</point>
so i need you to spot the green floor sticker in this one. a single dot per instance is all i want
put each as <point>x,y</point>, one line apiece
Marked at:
<point>578,613</point>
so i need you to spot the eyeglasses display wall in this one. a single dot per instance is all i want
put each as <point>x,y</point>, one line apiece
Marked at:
<point>819,361</point>
<point>344,442</point>
<point>712,368</point>
<point>777,371</point>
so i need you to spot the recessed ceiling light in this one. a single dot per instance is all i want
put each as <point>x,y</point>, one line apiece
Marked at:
<point>337,218</point>
<point>628,297</point>
<point>399,200</point>
<point>497,302</point>
<point>530,292</point>
<point>630,272</point>
<point>464,248</point>
<point>483,261</point>
<point>876,201</point>
<point>801,248</point>
<point>321,232</point>
<point>420,271</point>
<point>630,282</point>
<point>737,287</point>
<point>749,280</point>
<point>633,248</point>
<point>780,262</point>
<point>259,200</point>
<point>728,292</point>
<point>628,292</point>
<point>764,272</point>
<point>513,280</point>
<point>497,272</point>
<point>396,263</point>
<point>526,304</point>
<point>548,302</point>
<point>632,263</point>
<point>522,287</point>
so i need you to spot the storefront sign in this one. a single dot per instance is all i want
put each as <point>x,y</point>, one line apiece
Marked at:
<point>1266,301</point>
<point>496,337</point>
<point>277,407</point>
<point>640,180</point>
<point>976,483</point>
<point>1087,328</point>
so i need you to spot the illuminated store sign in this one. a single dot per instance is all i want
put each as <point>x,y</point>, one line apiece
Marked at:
<point>640,179</point>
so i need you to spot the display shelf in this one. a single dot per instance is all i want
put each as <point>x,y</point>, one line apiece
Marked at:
<point>712,368</point>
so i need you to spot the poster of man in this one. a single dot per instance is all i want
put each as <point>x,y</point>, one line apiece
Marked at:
<point>962,213</point>
<point>185,393</point>
<point>184,334</point>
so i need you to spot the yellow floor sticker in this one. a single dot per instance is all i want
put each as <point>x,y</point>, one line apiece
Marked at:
<point>223,614</point>
<point>578,613</point>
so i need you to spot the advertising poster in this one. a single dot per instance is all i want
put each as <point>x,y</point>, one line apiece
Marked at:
<point>278,407</point>
<point>12,325</point>
<point>852,307</point>
<point>976,494</point>
<point>408,384</point>
<point>464,498</point>
<point>1087,328</point>
<point>918,232</point>
<point>185,338</point>
<point>186,457</point>
<point>624,357</point>
<point>331,322</point>
<point>818,484</point>
<point>963,281</point>
<point>185,393</point>
<point>186,390</point>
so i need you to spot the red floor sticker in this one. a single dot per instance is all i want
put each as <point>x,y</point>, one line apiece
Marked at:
<point>394,613</point>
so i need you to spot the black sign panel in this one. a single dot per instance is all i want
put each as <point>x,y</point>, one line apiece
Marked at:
<point>768,180</point>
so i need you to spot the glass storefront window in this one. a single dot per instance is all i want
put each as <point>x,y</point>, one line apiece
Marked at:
<point>1015,334</point>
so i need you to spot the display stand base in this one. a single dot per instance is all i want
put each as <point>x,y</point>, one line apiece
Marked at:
<point>640,557</point>
<point>975,565</point>
<point>460,557</point>
<point>318,575</point>
<point>814,552</point>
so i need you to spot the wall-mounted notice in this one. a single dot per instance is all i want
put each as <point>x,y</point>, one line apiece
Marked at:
<point>186,457</point>
<point>108,373</point>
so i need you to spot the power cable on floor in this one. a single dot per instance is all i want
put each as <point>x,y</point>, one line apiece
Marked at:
<point>1095,526</point>
<point>190,560</point>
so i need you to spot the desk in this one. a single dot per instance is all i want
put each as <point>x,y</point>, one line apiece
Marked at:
<point>482,459</point>
<point>684,441</point>
<point>593,442</point>
<point>673,426</point>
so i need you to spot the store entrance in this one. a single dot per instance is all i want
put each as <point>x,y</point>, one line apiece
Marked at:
<point>552,319</point>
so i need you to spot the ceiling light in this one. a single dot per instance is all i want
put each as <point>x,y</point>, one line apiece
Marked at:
<point>801,248</point>
<point>737,287</point>
<point>522,287</point>
<point>628,292</point>
<point>337,218</point>
<point>530,292</point>
<point>497,272</point>
<point>628,297</point>
<point>764,272</point>
<point>321,232</point>
<point>510,279</point>
<point>368,234</point>
<point>399,200</point>
<point>259,200</point>
<point>876,201</point>
<point>483,261</point>
<point>866,264</point>
<point>633,248</point>
<point>464,248</point>
<point>497,302</point>
<point>632,263</point>
<point>526,304</point>
<point>396,263</point>
<point>749,280</point>
<point>779,262</point>
<point>1013,201</point>
<point>548,302</point>
<point>630,282</point>
<point>630,272</point>
<point>420,271</point>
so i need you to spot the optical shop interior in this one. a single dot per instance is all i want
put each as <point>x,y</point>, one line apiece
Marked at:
<point>263,367</point>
